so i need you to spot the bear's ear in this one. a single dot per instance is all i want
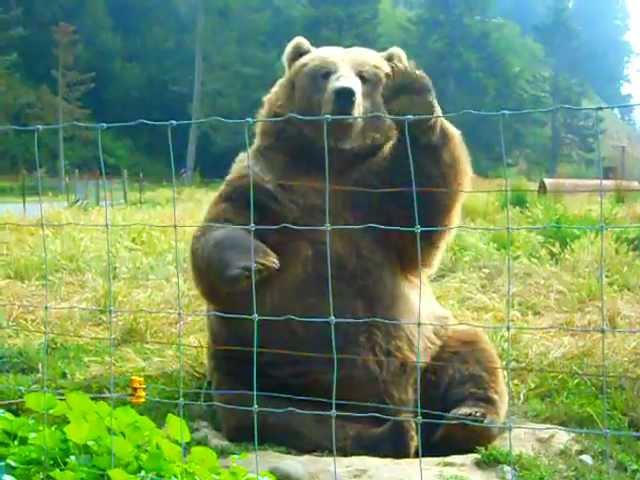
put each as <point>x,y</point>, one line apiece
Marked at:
<point>395,55</point>
<point>297,48</point>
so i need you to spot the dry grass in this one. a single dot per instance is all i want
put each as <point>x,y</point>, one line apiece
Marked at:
<point>556,314</point>
<point>145,290</point>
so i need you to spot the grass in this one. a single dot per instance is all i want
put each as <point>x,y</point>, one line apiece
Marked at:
<point>554,353</point>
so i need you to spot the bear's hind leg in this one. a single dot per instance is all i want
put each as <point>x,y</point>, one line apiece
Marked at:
<point>464,395</point>
<point>306,427</point>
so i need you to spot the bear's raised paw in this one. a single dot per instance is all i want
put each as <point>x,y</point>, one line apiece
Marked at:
<point>409,91</point>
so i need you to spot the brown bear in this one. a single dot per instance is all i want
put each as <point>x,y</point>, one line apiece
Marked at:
<point>354,355</point>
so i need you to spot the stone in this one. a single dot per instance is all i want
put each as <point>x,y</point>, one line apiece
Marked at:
<point>534,439</point>
<point>588,459</point>
<point>289,470</point>
<point>505,472</point>
<point>202,433</point>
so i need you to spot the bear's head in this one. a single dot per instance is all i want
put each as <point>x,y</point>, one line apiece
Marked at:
<point>336,81</point>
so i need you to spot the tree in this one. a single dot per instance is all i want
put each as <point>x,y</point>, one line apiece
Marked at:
<point>526,13</point>
<point>603,51</point>
<point>197,90</point>
<point>481,54</point>
<point>561,41</point>
<point>484,63</point>
<point>10,31</point>
<point>247,40</point>
<point>72,85</point>
<point>331,22</point>
<point>12,92</point>
<point>395,24</point>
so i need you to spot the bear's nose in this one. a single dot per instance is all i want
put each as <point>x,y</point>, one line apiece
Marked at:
<point>344,99</point>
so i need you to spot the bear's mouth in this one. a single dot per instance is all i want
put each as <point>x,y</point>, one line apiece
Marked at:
<point>343,112</point>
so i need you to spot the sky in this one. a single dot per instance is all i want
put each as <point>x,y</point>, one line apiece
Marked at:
<point>633,87</point>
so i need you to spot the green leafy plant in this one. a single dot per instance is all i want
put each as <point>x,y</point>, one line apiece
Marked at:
<point>518,196</point>
<point>79,438</point>
<point>528,467</point>
<point>559,226</point>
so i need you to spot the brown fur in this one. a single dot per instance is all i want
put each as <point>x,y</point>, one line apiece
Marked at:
<point>375,272</point>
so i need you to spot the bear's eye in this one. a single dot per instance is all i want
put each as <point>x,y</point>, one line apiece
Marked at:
<point>325,74</point>
<point>364,78</point>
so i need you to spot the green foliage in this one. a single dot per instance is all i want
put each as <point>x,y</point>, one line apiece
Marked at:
<point>556,375</point>
<point>565,465</point>
<point>578,403</point>
<point>527,467</point>
<point>604,51</point>
<point>484,55</point>
<point>629,236</point>
<point>393,25</point>
<point>519,194</point>
<point>337,21</point>
<point>79,438</point>
<point>553,226</point>
<point>559,227</point>
<point>452,57</point>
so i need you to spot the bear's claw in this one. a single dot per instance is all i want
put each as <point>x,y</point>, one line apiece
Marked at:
<point>264,266</point>
<point>468,412</point>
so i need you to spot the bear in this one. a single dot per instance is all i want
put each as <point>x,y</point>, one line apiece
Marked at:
<point>315,257</point>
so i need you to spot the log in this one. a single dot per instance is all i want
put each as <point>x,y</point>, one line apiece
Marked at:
<point>581,185</point>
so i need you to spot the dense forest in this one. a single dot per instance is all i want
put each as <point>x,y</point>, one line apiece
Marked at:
<point>121,60</point>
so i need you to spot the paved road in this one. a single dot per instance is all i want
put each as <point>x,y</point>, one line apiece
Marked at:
<point>32,211</point>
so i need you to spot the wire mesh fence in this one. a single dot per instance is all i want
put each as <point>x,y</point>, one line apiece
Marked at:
<point>23,193</point>
<point>114,316</point>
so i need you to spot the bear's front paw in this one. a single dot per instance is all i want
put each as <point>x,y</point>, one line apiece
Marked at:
<point>409,91</point>
<point>225,258</point>
<point>239,274</point>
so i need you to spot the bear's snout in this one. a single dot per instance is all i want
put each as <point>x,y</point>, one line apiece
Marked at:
<point>344,94</point>
<point>344,99</point>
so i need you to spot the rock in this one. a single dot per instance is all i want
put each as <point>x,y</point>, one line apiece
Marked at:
<point>202,433</point>
<point>289,470</point>
<point>536,439</point>
<point>525,438</point>
<point>505,472</point>
<point>369,468</point>
<point>588,459</point>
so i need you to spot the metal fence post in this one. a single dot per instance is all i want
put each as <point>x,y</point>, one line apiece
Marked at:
<point>76,183</point>
<point>140,183</point>
<point>23,189</point>
<point>125,186</point>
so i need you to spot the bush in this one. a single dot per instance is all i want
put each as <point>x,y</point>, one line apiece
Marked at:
<point>518,196</point>
<point>559,227</point>
<point>78,438</point>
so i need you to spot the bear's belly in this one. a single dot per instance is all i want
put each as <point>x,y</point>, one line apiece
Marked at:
<point>351,276</point>
<point>375,310</point>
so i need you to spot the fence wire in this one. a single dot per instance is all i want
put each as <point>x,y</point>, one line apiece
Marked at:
<point>509,289</point>
<point>180,396</point>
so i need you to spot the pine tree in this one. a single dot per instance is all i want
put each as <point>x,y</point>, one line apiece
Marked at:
<point>484,63</point>
<point>10,31</point>
<point>72,85</point>
<point>196,101</point>
<point>394,25</point>
<point>604,50</point>
<point>336,22</point>
<point>561,40</point>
